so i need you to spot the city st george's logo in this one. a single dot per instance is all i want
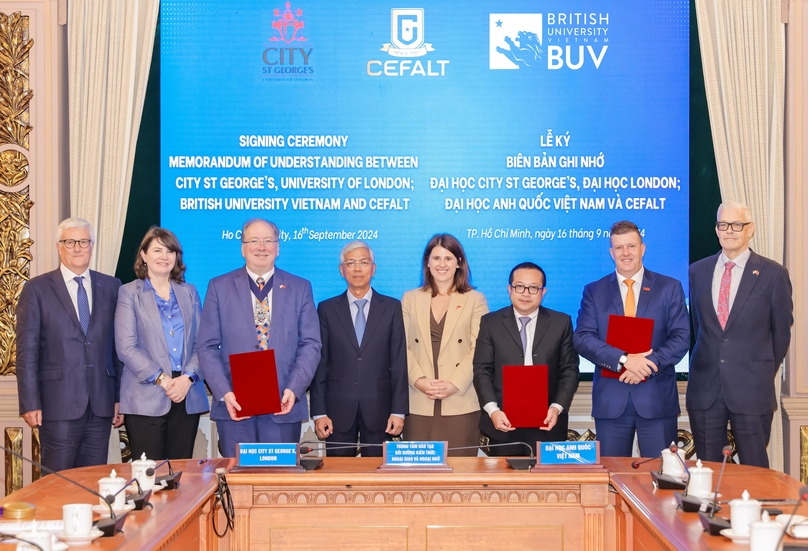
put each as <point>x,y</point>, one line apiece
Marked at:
<point>288,57</point>
<point>407,40</point>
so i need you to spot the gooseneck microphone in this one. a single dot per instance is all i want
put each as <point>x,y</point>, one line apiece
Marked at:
<point>170,481</point>
<point>666,481</point>
<point>312,463</point>
<point>711,523</point>
<point>515,463</point>
<point>108,526</point>
<point>636,464</point>
<point>140,499</point>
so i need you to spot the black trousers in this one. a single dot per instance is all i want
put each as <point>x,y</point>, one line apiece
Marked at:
<point>169,436</point>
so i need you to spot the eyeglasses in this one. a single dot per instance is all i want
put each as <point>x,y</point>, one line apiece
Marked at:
<point>532,289</point>
<point>364,263</point>
<point>736,226</point>
<point>255,242</point>
<point>70,243</point>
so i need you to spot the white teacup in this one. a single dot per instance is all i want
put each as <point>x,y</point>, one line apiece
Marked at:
<point>112,485</point>
<point>743,512</point>
<point>39,537</point>
<point>78,519</point>
<point>139,468</point>
<point>700,483</point>
<point>671,465</point>
<point>764,534</point>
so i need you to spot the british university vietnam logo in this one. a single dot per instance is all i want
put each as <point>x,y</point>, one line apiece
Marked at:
<point>515,40</point>
<point>407,33</point>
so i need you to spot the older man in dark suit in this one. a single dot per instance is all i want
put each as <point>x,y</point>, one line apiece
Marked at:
<point>68,376</point>
<point>525,333</point>
<point>360,389</point>
<point>742,314</point>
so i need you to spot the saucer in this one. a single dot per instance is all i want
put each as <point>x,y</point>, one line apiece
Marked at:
<point>797,519</point>
<point>104,511</point>
<point>79,540</point>
<point>728,533</point>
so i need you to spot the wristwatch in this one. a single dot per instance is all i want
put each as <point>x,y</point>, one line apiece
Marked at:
<point>622,361</point>
<point>160,378</point>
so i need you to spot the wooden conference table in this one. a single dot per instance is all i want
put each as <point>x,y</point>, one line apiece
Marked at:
<point>480,505</point>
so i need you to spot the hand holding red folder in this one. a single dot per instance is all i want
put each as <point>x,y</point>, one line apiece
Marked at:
<point>633,336</point>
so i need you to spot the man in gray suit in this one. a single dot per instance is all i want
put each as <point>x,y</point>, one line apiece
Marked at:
<point>68,376</point>
<point>259,306</point>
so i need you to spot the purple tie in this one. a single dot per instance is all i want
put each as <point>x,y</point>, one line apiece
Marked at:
<point>723,295</point>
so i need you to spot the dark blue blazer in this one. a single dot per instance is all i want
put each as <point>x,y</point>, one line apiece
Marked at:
<point>370,378</point>
<point>59,370</point>
<point>661,299</point>
<point>743,358</point>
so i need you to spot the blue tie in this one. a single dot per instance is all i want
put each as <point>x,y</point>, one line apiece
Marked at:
<point>523,333</point>
<point>361,322</point>
<point>84,305</point>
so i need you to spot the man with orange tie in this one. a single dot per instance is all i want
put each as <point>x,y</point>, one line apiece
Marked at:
<point>644,398</point>
<point>742,315</point>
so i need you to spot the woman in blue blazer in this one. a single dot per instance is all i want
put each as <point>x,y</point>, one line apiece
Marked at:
<point>156,320</point>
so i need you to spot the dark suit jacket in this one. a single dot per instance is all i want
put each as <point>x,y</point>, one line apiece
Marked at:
<point>371,378</point>
<point>661,299</point>
<point>743,358</point>
<point>499,343</point>
<point>228,327</point>
<point>59,370</point>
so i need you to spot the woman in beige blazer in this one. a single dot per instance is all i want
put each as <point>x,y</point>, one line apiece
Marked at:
<point>441,319</point>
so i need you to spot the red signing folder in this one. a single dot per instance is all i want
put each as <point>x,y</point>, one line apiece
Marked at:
<point>255,382</point>
<point>629,334</point>
<point>524,395</point>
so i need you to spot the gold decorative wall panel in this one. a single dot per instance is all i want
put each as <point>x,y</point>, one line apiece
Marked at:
<point>15,201</point>
<point>13,441</point>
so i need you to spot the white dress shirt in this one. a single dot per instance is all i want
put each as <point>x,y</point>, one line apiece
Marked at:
<point>737,272</point>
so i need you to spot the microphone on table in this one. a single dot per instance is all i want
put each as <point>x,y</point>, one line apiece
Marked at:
<point>170,481</point>
<point>636,464</point>
<point>312,463</point>
<point>140,499</point>
<point>710,522</point>
<point>515,463</point>
<point>108,526</point>
<point>666,481</point>
<point>792,546</point>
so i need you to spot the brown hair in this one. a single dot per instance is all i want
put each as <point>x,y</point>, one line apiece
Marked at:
<point>167,238</point>
<point>462,277</point>
<point>623,227</point>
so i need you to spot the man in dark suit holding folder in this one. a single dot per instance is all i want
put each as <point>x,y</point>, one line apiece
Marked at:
<point>644,397</point>
<point>504,337</point>
<point>360,388</point>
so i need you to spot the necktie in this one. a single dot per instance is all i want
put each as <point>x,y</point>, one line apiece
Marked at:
<point>262,318</point>
<point>361,322</point>
<point>723,294</point>
<point>630,308</point>
<point>523,333</point>
<point>84,305</point>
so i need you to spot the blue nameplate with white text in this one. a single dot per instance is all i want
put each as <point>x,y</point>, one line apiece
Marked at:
<point>414,454</point>
<point>267,455</point>
<point>569,453</point>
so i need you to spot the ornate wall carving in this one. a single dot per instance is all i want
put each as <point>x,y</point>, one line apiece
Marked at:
<point>554,497</point>
<point>15,201</point>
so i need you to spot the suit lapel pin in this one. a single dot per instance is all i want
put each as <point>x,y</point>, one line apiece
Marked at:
<point>459,307</point>
<point>646,288</point>
<point>755,272</point>
<point>283,286</point>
